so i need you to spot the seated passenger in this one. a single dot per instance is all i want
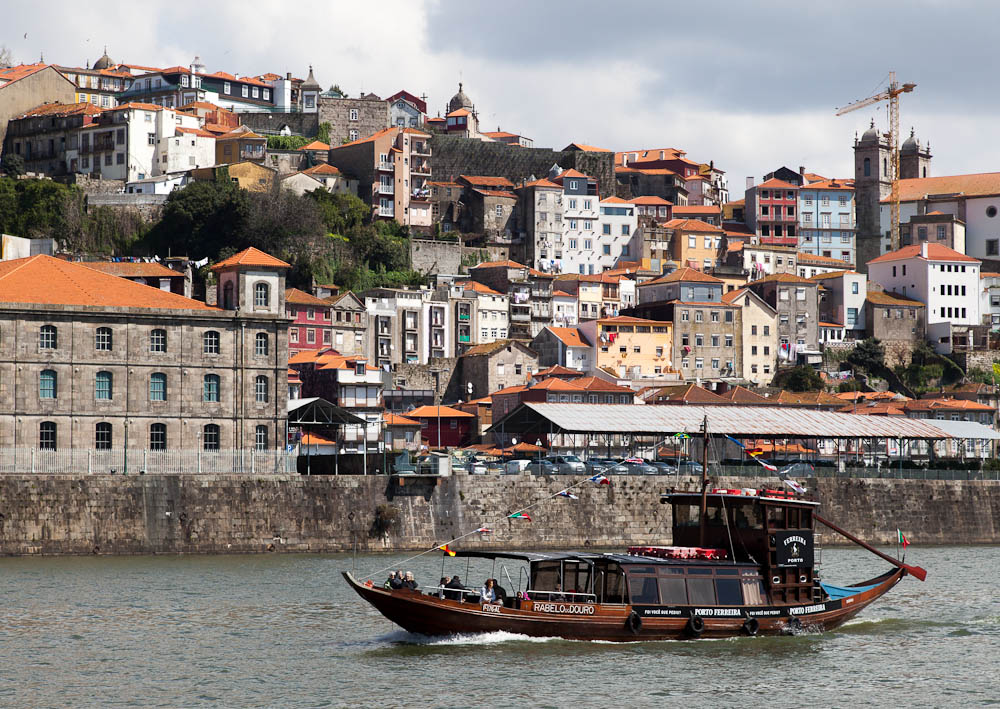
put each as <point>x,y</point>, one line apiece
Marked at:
<point>397,580</point>
<point>388,581</point>
<point>409,582</point>
<point>487,594</point>
<point>441,586</point>
<point>557,595</point>
<point>456,585</point>
<point>500,591</point>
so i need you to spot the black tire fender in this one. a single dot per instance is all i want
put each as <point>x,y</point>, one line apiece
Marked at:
<point>751,626</point>
<point>696,625</point>
<point>633,623</point>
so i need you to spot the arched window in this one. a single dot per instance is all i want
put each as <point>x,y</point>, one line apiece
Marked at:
<point>260,438</point>
<point>158,437</point>
<point>48,384</point>
<point>48,337</point>
<point>260,344</point>
<point>260,389</point>
<point>227,295</point>
<point>103,339</point>
<point>158,341</point>
<point>210,388</point>
<point>157,386</point>
<point>868,167</point>
<point>47,436</point>
<point>102,386</point>
<point>261,295</point>
<point>102,437</point>
<point>210,342</point>
<point>210,437</point>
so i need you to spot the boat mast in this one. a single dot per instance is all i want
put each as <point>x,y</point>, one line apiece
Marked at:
<point>704,483</point>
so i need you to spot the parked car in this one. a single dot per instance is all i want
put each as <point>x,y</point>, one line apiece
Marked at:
<point>798,470</point>
<point>568,464</point>
<point>663,468</point>
<point>640,468</point>
<point>542,467</point>
<point>515,466</point>
<point>598,465</point>
<point>689,467</point>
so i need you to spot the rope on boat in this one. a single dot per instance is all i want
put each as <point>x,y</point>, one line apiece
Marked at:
<point>437,547</point>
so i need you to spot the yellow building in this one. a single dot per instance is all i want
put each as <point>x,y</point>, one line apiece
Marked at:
<point>630,347</point>
<point>695,243</point>
<point>248,175</point>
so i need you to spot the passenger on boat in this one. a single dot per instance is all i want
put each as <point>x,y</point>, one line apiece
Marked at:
<point>500,592</point>
<point>487,594</point>
<point>441,586</point>
<point>389,581</point>
<point>557,595</point>
<point>409,582</point>
<point>456,593</point>
<point>397,580</point>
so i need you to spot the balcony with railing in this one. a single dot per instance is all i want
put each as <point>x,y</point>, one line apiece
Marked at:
<point>386,167</point>
<point>386,211</point>
<point>422,149</point>
<point>420,167</point>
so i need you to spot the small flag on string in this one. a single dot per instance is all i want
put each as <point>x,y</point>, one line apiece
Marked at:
<point>447,550</point>
<point>768,466</point>
<point>681,434</point>
<point>519,515</point>
<point>795,486</point>
<point>567,493</point>
<point>754,452</point>
<point>485,530</point>
<point>900,539</point>
<point>599,479</point>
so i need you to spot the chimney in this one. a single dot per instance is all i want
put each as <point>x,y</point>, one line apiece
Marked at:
<point>923,249</point>
<point>802,170</point>
<point>750,183</point>
<point>288,76</point>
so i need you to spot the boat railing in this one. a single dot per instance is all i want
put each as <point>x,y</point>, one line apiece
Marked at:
<point>467,594</point>
<point>537,595</point>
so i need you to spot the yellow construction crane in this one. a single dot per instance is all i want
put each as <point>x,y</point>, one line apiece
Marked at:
<point>890,94</point>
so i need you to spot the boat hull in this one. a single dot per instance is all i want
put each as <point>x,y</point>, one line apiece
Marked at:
<point>430,615</point>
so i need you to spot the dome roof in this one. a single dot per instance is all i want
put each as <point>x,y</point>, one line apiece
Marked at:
<point>870,135</point>
<point>459,100</point>
<point>310,84</point>
<point>910,145</point>
<point>105,62</point>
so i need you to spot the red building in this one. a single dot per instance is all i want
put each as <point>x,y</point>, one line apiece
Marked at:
<point>311,328</point>
<point>772,212</point>
<point>443,426</point>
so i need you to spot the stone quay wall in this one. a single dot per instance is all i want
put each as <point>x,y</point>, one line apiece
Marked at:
<point>113,514</point>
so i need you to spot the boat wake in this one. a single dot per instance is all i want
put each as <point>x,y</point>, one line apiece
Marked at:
<point>498,637</point>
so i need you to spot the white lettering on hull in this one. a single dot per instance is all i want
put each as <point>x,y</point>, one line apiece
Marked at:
<point>571,608</point>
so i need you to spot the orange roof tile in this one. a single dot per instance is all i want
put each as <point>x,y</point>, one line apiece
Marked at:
<point>315,145</point>
<point>194,131</point>
<point>510,390</point>
<point>818,259</point>
<point>598,384</point>
<point>322,168</point>
<point>569,336</point>
<point>557,370</point>
<point>477,287</point>
<point>135,106</point>
<point>935,252</point>
<point>392,419</point>
<point>628,320</point>
<point>542,183</point>
<point>435,411</point>
<point>776,184</point>
<point>783,278</point>
<point>695,209</point>
<point>653,200</point>
<point>46,280</point>
<point>562,294</point>
<point>586,148</point>
<point>14,73</point>
<point>891,298</point>
<point>742,395</point>
<point>830,185</point>
<point>614,200</point>
<point>493,264</point>
<point>62,109</point>
<point>946,404</point>
<point>683,275</point>
<point>689,394</point>
<point>690,225</point>
<point>496,193</point>
<point>132,269</point>
<point>571,173</point>
<point>300,297</point>
<point>975,185</point>
<point>556,384</point>
<point>251,257</point>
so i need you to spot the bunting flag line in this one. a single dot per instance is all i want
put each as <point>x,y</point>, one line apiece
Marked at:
<point>768,466</point>
<point>796,486</point>
<point>567,493</point>
<point>599,479</point>
<point>900,539</point>
<point>519,515</point>
<point>736,442</point>
<point>447,550</point>
<point>484,530</point>
<point>681,434</point>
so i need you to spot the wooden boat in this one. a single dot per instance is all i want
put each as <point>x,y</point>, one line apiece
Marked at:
<point>742,564</point>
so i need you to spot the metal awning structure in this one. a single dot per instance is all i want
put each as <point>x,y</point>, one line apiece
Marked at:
<point>737,421</point>
<point>966,429</point>
<point>316,411</point>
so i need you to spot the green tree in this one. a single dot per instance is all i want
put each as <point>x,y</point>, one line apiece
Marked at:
<point>201,219</point>
<point>801,378</point>
<point>323,134</point>
<point>13,165</point>
<point>342,213</point>
<point>286,142</point>
<point>869,355</point>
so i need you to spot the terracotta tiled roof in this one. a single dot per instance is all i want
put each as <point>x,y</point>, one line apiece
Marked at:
<point>496,193</point>
<point>315,145</point>
<point>558,371</point>
<point>783,278</point>
<point>135,106</point>
<point>689,394</point>
<point>15,73</point>
<point>128,269</point>
<point>681,209</point>
<point>946,404</point>
<point>495,264</point>
<point>241,132</point>
<point>571,173</point>
<point>628,320</point>
<point>322,169</point>
<point>935,252</point>
<point>651,200</point>
<point>542,183</point>
<point>976,185</point>
<point>569,336</point>
<point>556,384</point>
<point>847,185</point>
<point>562,294</point>
<point>736,228</point>
<point>880,408</point>
<point>62,109</point>
<point>194,131</point>
<point>820,260</point>
<point>500,134</point>
<point>251,257</point>
<point>299,297</point>
<point>510,390</point>
<point>486,181</point>
<point>392,419</point>
<point>491,347</point>
<point>776,184</point>
<point>832,275</point>
<point>615,200</point>
<point>742,395</point>
<point>807,398</point>
<point>50,281</point>
<point>683,275</point>
<point>586,148</point>
<point>691,225</point>
<point>424,412</point>
<point>734,295</point>
<point>598,384</point>
<point>477,287</point>
<point>891,298</point>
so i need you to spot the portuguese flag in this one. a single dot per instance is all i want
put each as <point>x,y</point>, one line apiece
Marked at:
<point>447,550</point>
<point>901,539</point>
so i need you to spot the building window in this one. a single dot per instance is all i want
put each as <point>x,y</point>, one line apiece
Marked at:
<point>210,388</point>
<point>48,384</point>
<point>260,438</point>
<point>210,342</point>
<point>499,211</point>
<point>353,135</point>
<point>158,341</point>
<point>102,437</point>
<point>210,434</point>
<point>47,337</point>
<point>261,295</point>
<point>103,339</point>
<point>245,90</point>
<point>260,345</point>
<point>227,88</point>
<point>868,167</point>
<point>158,437</point>
<point>260,389</point>
<point>102,386</point>
<point>157,386</point>
<point>354,114</point>
<point>47,436</point>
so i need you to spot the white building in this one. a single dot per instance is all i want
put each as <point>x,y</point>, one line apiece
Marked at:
<point>946,281</point>
<point>989,299</point>
<point>618,237</point>
<point>843,302</point>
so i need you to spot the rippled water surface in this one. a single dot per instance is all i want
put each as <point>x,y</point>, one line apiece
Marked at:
<point>285,630</point>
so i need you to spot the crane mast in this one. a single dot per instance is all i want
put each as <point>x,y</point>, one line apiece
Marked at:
<point>891,94</point>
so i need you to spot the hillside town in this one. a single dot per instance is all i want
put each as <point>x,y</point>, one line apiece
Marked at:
<point>496,273</point>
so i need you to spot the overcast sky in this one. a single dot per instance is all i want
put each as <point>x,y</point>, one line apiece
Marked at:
<point>750,85</point>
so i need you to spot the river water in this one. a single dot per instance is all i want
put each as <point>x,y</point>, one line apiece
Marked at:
<point>285,630</point>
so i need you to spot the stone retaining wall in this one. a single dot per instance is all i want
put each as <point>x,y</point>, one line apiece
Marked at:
<point>231,514</point>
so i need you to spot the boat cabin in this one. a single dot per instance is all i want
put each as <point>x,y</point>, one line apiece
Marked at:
<point>770,529</point>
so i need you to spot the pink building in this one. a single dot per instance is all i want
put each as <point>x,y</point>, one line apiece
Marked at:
<point>312,327</point>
